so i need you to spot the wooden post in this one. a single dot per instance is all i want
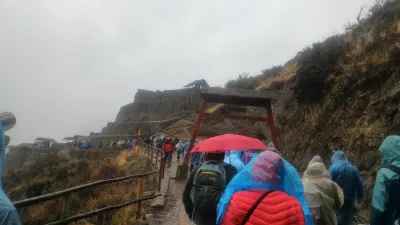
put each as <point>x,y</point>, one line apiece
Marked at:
<point>65,208</point>
<point>160,176</point>
<point>152,155</point>
<point>271,125</point>
<point>196,131</point>
<point>162,165</point>
<point>139,190</point>
<point>155,152</point>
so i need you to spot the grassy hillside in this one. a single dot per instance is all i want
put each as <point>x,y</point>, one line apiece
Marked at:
<point>57,171</point>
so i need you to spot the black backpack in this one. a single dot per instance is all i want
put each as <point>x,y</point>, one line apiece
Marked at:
<point>208,185</point>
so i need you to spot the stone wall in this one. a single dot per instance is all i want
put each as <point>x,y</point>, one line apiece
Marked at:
<point>156,109</point>
<point>160,105</point>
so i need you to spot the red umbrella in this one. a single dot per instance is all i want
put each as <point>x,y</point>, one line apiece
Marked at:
<point>229,142</point>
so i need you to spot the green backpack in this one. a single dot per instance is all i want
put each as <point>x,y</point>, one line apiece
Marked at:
<point>208,186</point>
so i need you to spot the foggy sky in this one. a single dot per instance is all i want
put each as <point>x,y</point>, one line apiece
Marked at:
<point>67,66</point>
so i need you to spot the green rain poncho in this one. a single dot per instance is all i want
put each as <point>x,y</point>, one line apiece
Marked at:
<point>316,179</point>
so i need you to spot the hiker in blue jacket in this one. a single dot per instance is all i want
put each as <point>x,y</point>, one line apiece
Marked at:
<point>234,159</point>
<point>386,197</point>
<point>8,213</point>
<point>194,157</point>
<point>348,178</point>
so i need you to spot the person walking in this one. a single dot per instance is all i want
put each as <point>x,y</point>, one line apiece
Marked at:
<point>8,213</point>
<point>348,178</point>
<point>267,191</point>
<point>316,180</point>
<point>179,150</point>
<point>168,148</point>
<point>386,195</point>
<point>234,159</point>
<point>204,188</point>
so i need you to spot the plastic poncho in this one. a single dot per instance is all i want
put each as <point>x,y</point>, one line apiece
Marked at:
<point>386,190</point>
<point>257,175</point>
<point>234,159</point>
<point>271,147</point>
<point>315,159</point>
<point>317,180</point>
<point>194,157</point>
<point>247,156</point>
<point>179,148</point>
<point>348,178</point>
<point>128,143</point>
<point>8,213</point>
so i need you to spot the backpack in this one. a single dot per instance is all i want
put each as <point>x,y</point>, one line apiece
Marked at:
<point>396,170</point>
<point>208,186</point>
<point>168,147</point>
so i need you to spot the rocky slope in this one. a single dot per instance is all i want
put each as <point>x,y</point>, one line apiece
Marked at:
<point>343,90</point>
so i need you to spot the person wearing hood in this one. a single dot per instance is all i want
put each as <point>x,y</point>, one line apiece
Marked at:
<point>271,147</point>
<point>179,150</point>
<point>194,157</point>
<point>316,180</point>
<point>8,213</point>
<point>234,159</point>
<point>386,195</point>
<point>267,191</point>
<point>348,178</point>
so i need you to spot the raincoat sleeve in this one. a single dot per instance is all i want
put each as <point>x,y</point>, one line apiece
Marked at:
<point>358,183</point>
<point>380,199</point>
<point>8,213</point>
<point>333,172</point>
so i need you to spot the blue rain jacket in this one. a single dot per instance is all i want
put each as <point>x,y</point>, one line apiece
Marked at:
<point>346,176</point>
<point>234,159</point>
<point>194,157</point>
<point>289,182</point>
<point>8,213</point>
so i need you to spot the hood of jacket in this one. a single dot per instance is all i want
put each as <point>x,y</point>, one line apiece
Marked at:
<point>339,157</point>
<point>390,150</point>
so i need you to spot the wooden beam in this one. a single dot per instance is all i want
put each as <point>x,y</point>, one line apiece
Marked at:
<point>235,117</point>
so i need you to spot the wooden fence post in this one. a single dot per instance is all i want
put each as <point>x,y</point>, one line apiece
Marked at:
<point>65,208</point>
<point>154,150</point>
<point>159,176</point>
<point>139,190</point>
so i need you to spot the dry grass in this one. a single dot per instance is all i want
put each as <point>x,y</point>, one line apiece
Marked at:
<point>287,72</point>
<point>61,173</point>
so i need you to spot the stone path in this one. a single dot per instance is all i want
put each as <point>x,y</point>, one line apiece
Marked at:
<point>173,212</point>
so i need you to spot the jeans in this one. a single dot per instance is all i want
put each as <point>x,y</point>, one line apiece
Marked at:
<point>168,157</point>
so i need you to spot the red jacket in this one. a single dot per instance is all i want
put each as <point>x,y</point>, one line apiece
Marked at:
<point>277,208</point>
<point>168,147</point>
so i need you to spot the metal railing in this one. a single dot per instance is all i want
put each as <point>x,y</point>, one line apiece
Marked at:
<point>153,154</point>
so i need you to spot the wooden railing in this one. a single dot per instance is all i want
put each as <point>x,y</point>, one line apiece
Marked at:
<point>154,154</point>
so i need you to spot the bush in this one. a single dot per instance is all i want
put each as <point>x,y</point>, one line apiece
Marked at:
<point>316,63</point>
<point>245,81</point>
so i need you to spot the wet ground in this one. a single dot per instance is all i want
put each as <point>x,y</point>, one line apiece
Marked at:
<point>173,212</point>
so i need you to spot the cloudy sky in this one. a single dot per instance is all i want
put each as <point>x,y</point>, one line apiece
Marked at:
<point>67,66</point>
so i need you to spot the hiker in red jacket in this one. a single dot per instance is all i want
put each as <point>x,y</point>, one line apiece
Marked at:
<point>168,148</point>
<point>267,191</point>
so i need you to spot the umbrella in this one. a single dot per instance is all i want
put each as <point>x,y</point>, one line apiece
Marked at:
<point>228,142</point>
